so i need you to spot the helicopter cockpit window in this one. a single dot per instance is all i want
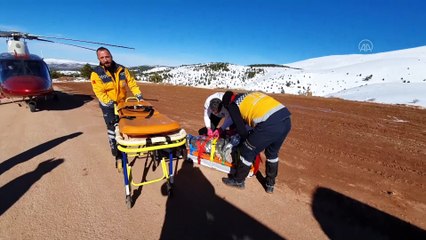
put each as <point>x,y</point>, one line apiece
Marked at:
<point>12,68</point>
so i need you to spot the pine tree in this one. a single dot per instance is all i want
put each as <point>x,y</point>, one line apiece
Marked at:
<point>86,70</point>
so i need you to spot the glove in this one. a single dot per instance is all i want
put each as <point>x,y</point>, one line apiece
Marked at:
<point>216,133</point>
<point>139,97</point>
<point>210,132</point>
<point>221,132</point>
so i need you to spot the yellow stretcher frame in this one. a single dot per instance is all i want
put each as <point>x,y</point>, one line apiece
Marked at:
<point>138,146</point>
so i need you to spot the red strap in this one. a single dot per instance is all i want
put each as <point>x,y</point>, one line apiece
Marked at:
<point>201,146</point>
<point>200,150</point>
<point>256,164</point>
<point>233,97</point>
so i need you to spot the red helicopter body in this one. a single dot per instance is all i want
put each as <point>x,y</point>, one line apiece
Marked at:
<point>24,77</point>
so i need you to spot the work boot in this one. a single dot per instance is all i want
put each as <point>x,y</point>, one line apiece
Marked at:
<point>233,183</point>
<point>271,174</point>
<point>241,172</point>
<point>119,163</point>
<point>114,152</point>
<point>269,188</point>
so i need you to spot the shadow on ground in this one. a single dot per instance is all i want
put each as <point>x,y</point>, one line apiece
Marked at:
<point>12,191</point>
<point>342,217</point>
<point>196,212</point>
<point>63,101</point>
<point>32,152</point>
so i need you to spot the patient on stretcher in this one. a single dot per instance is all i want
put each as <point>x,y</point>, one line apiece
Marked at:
<point>223,147</point>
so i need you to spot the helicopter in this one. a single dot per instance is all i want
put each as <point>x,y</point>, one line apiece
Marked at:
<point>25,76</point>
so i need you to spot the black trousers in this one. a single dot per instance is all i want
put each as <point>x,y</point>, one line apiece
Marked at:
<point>110,121</point>
<point>268,136</point>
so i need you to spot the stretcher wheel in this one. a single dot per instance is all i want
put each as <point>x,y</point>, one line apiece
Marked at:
<point>184,153</point>
<point>129,201</point>
<point>169,189</point>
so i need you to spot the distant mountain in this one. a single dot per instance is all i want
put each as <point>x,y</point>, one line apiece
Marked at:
<point>65,65</point>
<point>389,74</point>
<point>71,65</point>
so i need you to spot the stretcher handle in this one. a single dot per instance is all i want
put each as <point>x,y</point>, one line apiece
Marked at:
<point>119,106</point>
<point>132,98</point>
<point>149,109</point>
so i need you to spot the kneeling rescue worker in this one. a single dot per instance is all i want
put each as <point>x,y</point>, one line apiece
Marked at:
<point>271,124</point>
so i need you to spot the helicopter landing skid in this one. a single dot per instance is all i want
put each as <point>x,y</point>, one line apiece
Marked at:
<point>31,103</point>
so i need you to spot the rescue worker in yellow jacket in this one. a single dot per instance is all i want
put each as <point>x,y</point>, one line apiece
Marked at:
<point>270,123</point>
<point>109,82</point>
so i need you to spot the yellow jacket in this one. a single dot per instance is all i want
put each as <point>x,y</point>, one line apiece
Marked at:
<point>256,107</point>
<point>108,88</point>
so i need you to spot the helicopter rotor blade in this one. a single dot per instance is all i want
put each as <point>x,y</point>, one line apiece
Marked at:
<point>17,35</point>
<point>85,41</point>
<point>68,44</point>
<point>40,39</point>
<point>11,34</point>
<point>5,33</point>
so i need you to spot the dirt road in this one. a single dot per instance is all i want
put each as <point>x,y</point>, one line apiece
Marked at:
<point>348,170</point>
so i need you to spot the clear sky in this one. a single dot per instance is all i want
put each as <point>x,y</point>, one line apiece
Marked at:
<point>175,32</point>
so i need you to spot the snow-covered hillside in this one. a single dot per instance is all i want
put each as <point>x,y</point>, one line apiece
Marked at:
<point>396,77</point>
<point>335,76</point>
<point>336,73</point>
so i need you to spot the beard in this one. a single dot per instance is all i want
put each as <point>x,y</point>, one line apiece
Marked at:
<point>110,66</point>
<point>106,64</point>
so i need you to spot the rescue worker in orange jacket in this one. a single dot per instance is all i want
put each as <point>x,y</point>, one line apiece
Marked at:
<point>109,81</point>
<point>270,123</point>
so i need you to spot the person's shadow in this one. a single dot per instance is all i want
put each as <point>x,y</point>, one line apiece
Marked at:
<point>342,217</point>
<point>15,189</point>
<point>194,211</point>
<point>32,152</point>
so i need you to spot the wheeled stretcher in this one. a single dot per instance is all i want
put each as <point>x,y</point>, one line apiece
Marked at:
<point>144,132</point>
